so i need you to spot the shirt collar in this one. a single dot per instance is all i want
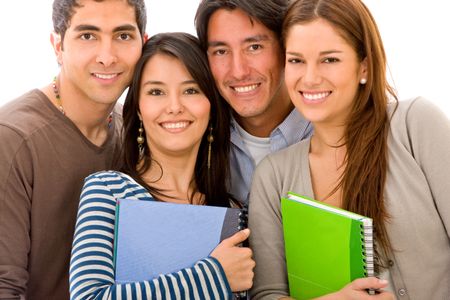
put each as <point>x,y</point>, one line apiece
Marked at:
<point>293,126</point>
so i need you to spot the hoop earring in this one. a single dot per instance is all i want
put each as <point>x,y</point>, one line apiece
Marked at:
<point>210,141</point>
<point>141,140</point>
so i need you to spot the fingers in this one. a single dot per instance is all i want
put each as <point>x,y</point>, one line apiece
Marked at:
<point>237,238</point>
<point>369,283</point>
<point>357,289</point>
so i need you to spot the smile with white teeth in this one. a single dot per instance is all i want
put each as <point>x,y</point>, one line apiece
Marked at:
<point>315,96</point>
<point>245,89</point>
<point>176,125</point>
<point>105,76</point>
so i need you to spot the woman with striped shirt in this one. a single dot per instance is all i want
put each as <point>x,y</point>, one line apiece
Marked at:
<point>176,143</point>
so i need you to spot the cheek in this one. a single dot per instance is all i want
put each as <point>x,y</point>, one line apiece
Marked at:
<point>130,53</point>
<point>276,74</point>
<point>290,78</point>
<point>348,84</point>
<point>149,111</point>
<point>203,109</point>
<point>273,61</point>
<point>218,67</point>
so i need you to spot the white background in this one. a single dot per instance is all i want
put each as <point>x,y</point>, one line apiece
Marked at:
<point>415,34</point>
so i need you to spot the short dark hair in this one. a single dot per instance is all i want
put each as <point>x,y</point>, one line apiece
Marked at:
<point>269,12</point>
<point>211,182</point>
<point>63,11</point>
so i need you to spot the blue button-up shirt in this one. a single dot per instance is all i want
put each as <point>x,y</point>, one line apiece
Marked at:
<point>292,130</point>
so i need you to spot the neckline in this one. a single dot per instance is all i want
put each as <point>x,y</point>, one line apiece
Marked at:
<point>68,122</point>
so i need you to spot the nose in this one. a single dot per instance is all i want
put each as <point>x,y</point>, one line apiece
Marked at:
<point>175,105</point>
<point>312,75</point>
<point>106,54</point>
<point>239,66</point>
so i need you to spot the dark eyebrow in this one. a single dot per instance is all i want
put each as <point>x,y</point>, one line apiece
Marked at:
<point>85,27</point>
<point>156,82</point>
<point>216,44</point>
<point>127,27</point>
<point>192,81</point>
<point>153,82</point>
<point>321,53</point>
<point>257,38</point>
<point>330,52</point>
<point>293,53</point>
<point>251,39</point>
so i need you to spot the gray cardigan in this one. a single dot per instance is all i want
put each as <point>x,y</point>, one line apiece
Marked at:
<point>417,194</point>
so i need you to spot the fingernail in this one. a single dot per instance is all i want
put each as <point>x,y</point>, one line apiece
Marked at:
<point>383,281</point>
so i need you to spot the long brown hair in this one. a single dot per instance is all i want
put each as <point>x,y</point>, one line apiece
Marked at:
<point>367,126</point>
<point>209,181</point>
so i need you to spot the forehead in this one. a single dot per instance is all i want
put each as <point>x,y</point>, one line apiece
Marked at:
<point>318,34</point>
<point>164,67</point>
<point>235,26</point>
<point>107,13</point>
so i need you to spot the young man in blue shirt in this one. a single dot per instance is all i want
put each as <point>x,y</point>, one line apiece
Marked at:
<point>243,41</point>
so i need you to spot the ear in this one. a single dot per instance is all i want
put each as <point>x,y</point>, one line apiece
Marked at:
<point>363,69</point>
<point>55,40</point>
<point>145,37</point>
<point>139,115</point>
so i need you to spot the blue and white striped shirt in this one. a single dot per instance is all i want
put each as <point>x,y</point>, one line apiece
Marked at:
<point>242,166</point>
<point>91,264</point>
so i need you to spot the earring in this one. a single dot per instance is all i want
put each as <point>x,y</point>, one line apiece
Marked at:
<point>363,81</point>
<point>210,140</point>
<point>141,140</point>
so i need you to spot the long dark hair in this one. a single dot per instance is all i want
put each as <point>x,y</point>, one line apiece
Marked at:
<point>367,126</point>
<point>209,181</point>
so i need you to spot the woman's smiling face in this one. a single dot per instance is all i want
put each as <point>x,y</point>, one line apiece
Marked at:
<point>322,72</point>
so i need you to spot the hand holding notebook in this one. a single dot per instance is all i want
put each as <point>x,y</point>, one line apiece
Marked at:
<point>357,289</point>
<point>153,238</point>
<point>238,262</point>
<point>326,247</point>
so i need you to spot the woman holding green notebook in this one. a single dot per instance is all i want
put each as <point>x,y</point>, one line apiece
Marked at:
<point>370,154</point>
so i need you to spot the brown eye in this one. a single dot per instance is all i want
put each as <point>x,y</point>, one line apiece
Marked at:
<point>330,60</point>
<point>192,91</point>
<point>155,92</point>
<point>255,47</point>
<point>124,36</point>
<point>87,36</point>
<point>220,52</point>
<point>294,61</point>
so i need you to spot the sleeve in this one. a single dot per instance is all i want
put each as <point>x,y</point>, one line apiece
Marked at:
<point>429,135</point>
<point>266,238</point>
<point>15,206</point>
<point>92,269</point>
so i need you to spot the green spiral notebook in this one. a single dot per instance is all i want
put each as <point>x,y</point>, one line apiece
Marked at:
<point>326,247</point>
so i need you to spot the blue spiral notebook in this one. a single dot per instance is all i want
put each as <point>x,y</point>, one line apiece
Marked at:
<point>153,237</point>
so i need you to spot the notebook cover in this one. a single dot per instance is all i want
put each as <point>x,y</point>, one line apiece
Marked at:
<point>324,250</point>
<point>153,238</point>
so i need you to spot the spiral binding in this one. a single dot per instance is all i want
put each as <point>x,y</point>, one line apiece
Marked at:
<point>368,250</point>
<point>243,223</point>
<point>243,218</point>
